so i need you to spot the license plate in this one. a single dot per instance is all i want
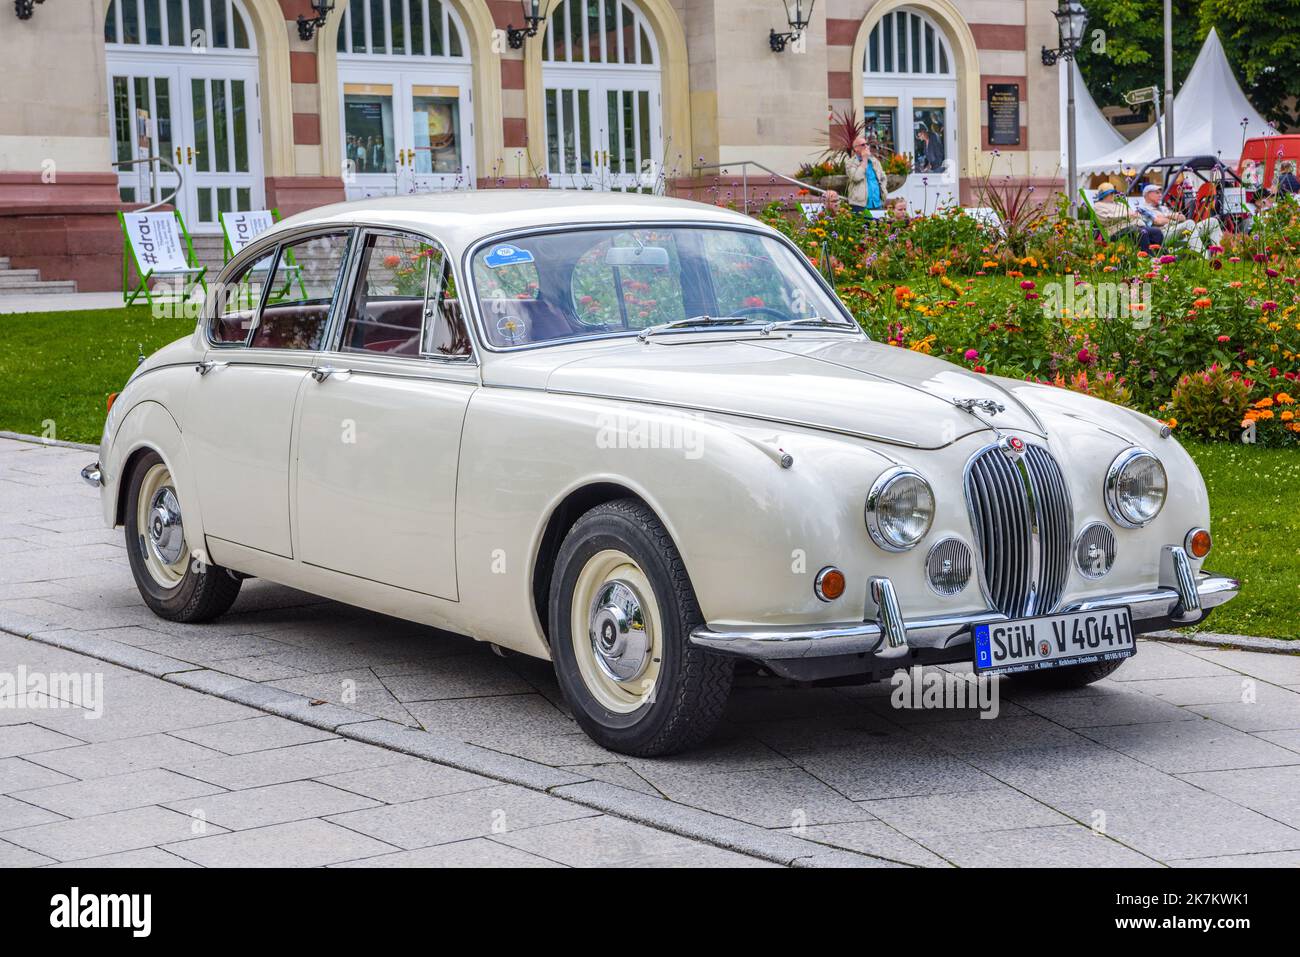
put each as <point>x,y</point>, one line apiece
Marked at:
<point>1051,641</point>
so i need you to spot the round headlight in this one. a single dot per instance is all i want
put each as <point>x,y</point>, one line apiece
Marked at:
<point>900,508</point>
<point>1135,488</point>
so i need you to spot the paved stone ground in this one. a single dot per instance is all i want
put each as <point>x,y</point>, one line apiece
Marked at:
<point>1187,756</point>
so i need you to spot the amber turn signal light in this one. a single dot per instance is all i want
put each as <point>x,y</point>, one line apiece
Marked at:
<point>112,397</point>
<point>1198,542</point>
<point>829,584</point>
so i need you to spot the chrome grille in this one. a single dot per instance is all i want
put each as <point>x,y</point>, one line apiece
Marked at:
<point>1020,510</point>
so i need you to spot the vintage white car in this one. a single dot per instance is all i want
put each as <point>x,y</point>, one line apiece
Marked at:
<point>642,438</point>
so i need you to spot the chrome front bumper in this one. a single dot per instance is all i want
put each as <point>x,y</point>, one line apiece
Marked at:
<point>1186,598</point>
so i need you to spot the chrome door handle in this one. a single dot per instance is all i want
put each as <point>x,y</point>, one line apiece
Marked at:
<point>321,373</point>
<point>206,366</point>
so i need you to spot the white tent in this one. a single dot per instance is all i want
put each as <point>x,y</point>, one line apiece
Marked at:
<point>1093,133</point>
<point>1208,115</point>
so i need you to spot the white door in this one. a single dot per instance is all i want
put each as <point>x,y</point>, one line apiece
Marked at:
<point>222,150</point>
<point>379,439</point>
<point>603,133</point>
<point>406,131</point>
<point>182,83</point>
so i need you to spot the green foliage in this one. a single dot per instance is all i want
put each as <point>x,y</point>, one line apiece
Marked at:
<point>1210,403</point>
<point>1260,38</point>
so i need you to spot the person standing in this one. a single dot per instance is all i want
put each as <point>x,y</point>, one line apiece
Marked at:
<point>866,177</point>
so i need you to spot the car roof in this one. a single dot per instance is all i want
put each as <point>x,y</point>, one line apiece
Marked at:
<point>462,217</point>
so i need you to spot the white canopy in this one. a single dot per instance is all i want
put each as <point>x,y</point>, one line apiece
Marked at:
<point>1093,132</point>
<point>1208,114</point>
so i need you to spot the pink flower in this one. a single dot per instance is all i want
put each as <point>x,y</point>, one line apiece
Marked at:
<point>1268,305</point>
<point>1027,284</point>
<point>1224,338</point>
<point>1166,259</point>
<point>972,355</point>
<point>1085,357</point>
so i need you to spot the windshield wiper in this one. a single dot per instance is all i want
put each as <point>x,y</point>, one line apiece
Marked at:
<point>649,331</point>
<point>772,327</point>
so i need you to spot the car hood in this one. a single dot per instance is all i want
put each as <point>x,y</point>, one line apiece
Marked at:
<point>841,384</point>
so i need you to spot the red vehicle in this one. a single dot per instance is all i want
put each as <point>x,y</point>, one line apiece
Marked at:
<point>1265,153</point>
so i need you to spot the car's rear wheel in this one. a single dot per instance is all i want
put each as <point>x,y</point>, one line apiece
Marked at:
<point>621,612</point>
<point>173,583</point>
<point>1071,676</point>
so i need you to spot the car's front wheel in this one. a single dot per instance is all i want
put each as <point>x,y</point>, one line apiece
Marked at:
<point>173,583</point>
<point>621,613</point>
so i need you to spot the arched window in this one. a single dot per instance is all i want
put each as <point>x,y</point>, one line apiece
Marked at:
<point>909,85</point>
<point>183,86</point>
<point>602,81</point>
<point>907,42</point>
<point>200,24</point>
<point>600,31</point>
<point>406,95</point>
<point>424,28</point>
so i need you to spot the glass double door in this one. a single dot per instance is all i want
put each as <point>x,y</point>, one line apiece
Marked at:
<point>405,131</point>
<point>200,114</point>
<point>603,133</point>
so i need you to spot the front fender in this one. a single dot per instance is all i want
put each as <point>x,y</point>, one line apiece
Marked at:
<point>149,425</point>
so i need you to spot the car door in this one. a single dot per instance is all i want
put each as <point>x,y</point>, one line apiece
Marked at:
<point>264,338</point>
<point>379,423</point>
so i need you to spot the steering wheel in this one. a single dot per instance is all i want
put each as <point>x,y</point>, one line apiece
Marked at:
<point>763,310</point>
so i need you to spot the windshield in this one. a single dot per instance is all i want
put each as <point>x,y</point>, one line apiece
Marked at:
<point>583,283</point>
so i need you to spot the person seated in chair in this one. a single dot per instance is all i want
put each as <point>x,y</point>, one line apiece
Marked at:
<point>1208,232</point>
<point>1120,220</point>
<point>1287,184</point>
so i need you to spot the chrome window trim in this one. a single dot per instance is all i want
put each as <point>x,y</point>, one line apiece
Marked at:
<point>872,519</point>
<point>1111,494</point>
<point>334,339</point>
<point>479,325</point>
<point>272,243</point>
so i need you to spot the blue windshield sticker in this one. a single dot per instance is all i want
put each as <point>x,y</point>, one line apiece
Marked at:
<point>506,255</point>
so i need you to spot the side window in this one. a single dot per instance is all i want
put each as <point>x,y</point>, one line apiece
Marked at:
<point>611,286</point>
<point>301,292</point>
<point>237,303</point>
<point>404,302</point>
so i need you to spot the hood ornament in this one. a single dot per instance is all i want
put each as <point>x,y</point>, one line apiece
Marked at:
<point>987,406</point>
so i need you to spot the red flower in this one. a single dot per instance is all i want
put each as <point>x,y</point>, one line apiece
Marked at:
<point>1085,357</point>
<point>754,301</point>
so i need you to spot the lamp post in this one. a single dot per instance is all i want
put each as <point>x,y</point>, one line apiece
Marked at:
<point>1169,79</point>
<point>798,22</point>
<point>1071,21</point>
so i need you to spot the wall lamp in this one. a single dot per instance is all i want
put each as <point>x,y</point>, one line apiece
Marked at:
<point>307,26</point>
<point>533,21</point>
<point>798,22</point>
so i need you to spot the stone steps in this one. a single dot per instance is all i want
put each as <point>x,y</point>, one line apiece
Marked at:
<point>28,282</point>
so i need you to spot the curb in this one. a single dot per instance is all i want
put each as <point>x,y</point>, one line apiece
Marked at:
<point>40,440</point>
<point>1210,639</point>
<point>777,847</point>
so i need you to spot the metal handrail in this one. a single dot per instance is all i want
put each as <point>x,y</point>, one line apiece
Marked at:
<point>155,159</point>
<point>744,177</point>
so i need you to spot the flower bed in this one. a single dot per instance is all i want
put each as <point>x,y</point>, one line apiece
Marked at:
<point>1197,340</point>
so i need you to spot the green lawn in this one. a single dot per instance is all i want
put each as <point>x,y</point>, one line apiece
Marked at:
<point>1255,503</point>
<point>59,367</point>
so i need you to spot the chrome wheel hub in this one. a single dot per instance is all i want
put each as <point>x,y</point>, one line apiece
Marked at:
<point>618,632</point>
<point>166,534</point>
